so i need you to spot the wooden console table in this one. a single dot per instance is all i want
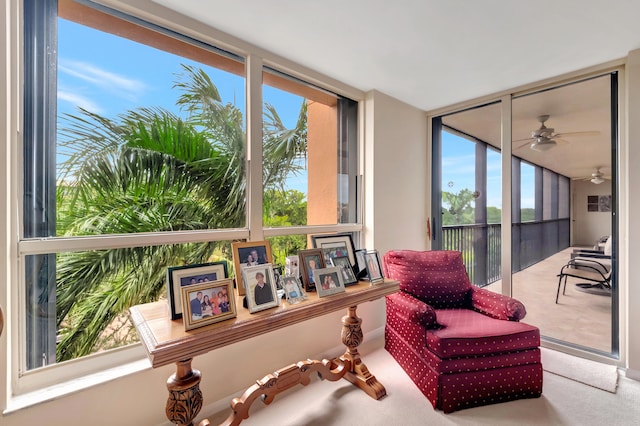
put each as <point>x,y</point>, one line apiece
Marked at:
<point>167,342</point>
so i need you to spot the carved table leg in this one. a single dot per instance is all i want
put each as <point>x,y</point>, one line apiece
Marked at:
<point>185,397</point>
<point>358,373</point>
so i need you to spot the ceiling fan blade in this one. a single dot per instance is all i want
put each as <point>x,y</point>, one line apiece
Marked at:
<point>529,141</point>
<point>587,133</point>
<point>522,140</point>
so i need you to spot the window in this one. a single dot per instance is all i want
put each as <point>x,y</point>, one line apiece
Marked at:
<point>135,160</point>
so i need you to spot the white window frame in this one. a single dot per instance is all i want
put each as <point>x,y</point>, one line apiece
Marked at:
<point>30,387</point>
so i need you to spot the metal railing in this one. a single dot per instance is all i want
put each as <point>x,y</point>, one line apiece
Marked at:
<point>481,246</point>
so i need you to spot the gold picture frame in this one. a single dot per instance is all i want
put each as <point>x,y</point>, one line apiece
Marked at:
<point>194,298</point>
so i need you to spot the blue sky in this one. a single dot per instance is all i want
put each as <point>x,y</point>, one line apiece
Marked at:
<point>458,171</point>
<point>109,75</point>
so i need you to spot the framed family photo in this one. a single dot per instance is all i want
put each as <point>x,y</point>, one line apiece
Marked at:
<point>328,281</point>
<point>260,286</point>
<point>207,303</point>
<point>348,276</point>
<point>335,245</point>
<point>180,276</point>
<point>310,260</point>
<point>293,289</point>
<point>249,253</point>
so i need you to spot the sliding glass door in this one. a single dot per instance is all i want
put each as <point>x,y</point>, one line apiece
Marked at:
<point>562,200</point>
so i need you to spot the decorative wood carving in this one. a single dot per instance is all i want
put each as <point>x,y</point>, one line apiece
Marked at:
<point>272,384</point>
<point>185,397</point>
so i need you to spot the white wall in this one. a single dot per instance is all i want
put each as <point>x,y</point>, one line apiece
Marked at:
<point>631,199</point>
<point>397,179</point>
<point>588,226</point>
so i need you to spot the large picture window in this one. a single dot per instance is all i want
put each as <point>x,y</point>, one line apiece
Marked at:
<point>135,160</point>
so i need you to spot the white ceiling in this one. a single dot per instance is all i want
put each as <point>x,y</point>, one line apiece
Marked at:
<point>430,53</point>
<point>435,53</point>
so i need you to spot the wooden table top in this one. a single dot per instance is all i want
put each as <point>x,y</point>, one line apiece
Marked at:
<point>166,340</point>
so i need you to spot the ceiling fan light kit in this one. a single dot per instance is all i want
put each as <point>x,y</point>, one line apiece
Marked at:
<point>542,146</point>
<point>597,180</point>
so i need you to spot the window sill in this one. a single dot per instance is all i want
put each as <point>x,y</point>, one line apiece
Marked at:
<point>26,400</point>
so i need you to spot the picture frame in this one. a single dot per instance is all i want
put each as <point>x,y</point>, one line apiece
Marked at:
<point>180,276</point>
<point>334,245</point>
<point>361,262</point>
<point>310,259</point>
<point>194,297</point>
<point>374,268</point>
<point>241,250</point>
<point>260,287</point>
<point>348,275</point>
<point>328,281</point>
<point>293,289</point>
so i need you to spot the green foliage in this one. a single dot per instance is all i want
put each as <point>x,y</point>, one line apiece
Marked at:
<point>149,170</point>
<point>494,215</point>
<point>285,208</point>
<point>458,208</point>
<point>527,214</point>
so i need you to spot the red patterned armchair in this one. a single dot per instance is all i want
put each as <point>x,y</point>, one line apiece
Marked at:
<point>463,346</point>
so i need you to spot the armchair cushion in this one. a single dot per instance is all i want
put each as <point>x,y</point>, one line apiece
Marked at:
<point>465,333</point>
<point>438,278</point>
<point>497,305</point>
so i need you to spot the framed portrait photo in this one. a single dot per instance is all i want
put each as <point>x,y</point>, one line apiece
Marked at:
<point>260,287</point>
<point>328,281</point>
<point>335,245</point>
<point>207,303</point>
<point>249,253</point>
<point>348,276</point>
<point>180,276</point>
<point>374,268</point>
<point>310,260</point>
<point>361,262</point>
<point>293,289</point>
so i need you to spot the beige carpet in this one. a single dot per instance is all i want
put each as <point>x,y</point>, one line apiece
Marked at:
<point>598,375</point>
<point>323,403</point>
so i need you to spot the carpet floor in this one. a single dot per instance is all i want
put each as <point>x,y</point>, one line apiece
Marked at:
<point>322,403</point>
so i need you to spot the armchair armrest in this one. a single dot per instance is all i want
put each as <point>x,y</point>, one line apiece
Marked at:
<point>412,310</point>
<point>497,305</point>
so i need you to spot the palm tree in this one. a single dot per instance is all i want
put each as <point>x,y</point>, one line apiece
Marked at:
<point>150,170</point>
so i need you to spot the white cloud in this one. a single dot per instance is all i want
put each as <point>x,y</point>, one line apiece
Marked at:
<point>78,100</point>
<point>121,85</point>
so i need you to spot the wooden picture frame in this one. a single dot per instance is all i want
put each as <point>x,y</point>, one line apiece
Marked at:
<point>221,308</point>
<point>335,245</point>
<point>310,259</point>
<point>293,289</point>
<point>260,287</point>
<point>241,251</point>
<point>328,281</point>
<point>374,268</point>
<point>180,276</point>
<point>346,270</point>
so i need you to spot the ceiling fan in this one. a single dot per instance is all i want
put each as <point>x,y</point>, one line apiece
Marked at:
<point>544,138</point>
<point>596,177</point>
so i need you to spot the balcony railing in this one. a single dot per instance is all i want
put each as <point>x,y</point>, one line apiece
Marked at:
<point>481,246</point>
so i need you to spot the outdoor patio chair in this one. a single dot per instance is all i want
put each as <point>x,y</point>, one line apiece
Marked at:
<point>586,269</point>
<point>602,257</point>
<point>462,346</point>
